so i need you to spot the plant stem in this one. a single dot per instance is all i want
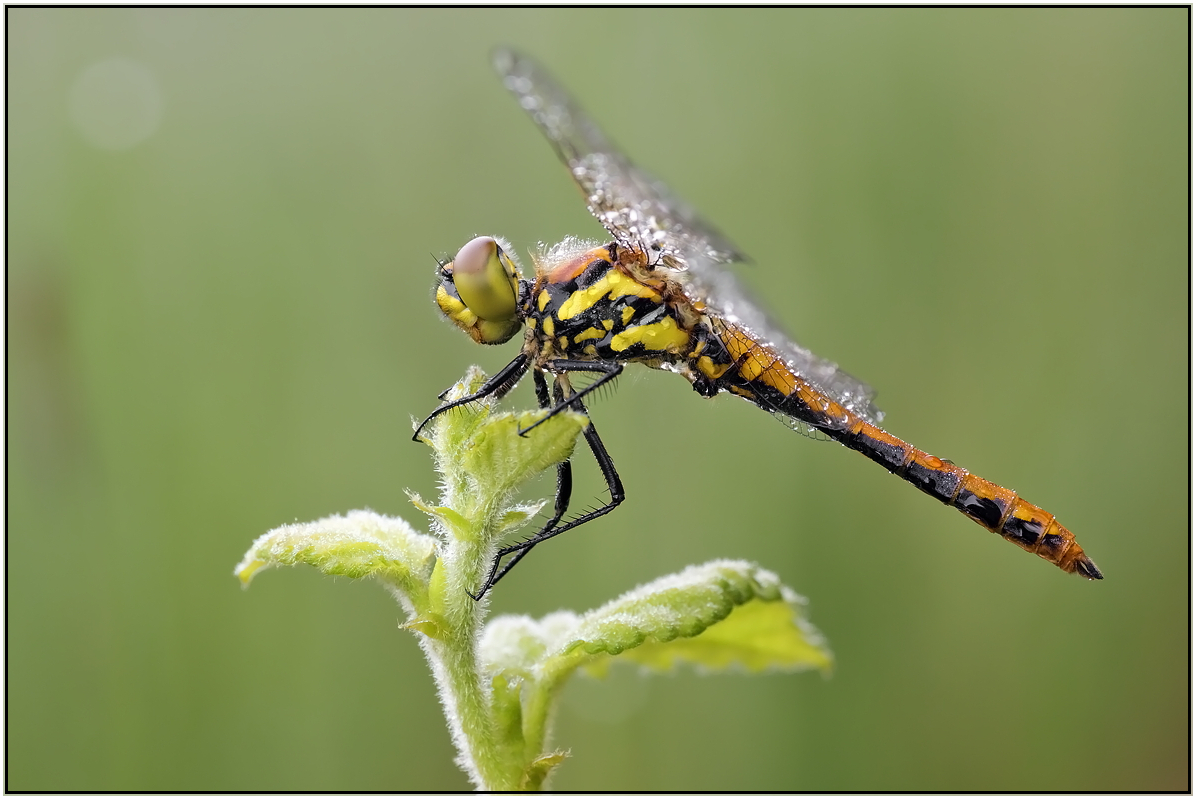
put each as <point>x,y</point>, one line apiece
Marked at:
<point>453,656</point>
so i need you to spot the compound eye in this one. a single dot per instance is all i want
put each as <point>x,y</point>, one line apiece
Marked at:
<point>486,280</point>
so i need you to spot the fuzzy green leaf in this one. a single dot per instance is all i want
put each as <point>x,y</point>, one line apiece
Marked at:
<point>539,770</point>
<point>519,515</point>
<point>723,614</point>
<point>758,636</point>
<point>360,544</point>
<point>499,459</point>
<point>518,645</point>
<point>483,458</point>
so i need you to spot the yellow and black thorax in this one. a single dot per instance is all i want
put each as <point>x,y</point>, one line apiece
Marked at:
<point>606,303</point>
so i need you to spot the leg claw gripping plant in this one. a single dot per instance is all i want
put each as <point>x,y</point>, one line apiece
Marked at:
<point>498,681</point>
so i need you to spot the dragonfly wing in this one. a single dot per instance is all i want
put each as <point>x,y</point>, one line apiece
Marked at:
<point>637,209</point>
<point>641,212</point>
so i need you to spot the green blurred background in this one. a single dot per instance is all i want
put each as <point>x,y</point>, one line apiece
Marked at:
<point>219,321</point>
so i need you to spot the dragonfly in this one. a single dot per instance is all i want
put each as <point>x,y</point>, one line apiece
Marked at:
<point>659,294</point>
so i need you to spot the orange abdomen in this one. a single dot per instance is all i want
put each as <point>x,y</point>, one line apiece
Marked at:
<point>754,371</point>
<point>993,507</point>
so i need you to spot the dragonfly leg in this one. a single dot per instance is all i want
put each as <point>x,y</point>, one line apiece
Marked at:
<point>608,370</point>
<point>564,490</point>
<point>498,385</point>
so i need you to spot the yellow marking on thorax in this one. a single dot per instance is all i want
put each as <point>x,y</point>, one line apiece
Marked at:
<point>542,300</point>
<point>588,333</point>
<point>614,284</point>
<point>549,328</point>
<point>662,336</point>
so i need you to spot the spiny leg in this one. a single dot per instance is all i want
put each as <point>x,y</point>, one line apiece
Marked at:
<point>564,491</point>
<point>498,385</point>
<point>564,488</point>
<point>608,370</point>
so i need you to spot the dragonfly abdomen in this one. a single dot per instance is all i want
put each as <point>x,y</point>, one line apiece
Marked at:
<point>995,508</point>
<point>752,370</point>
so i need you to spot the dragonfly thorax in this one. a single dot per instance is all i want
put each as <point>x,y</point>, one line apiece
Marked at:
<point>603,304</point>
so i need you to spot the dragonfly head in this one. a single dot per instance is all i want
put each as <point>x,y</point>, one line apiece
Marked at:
<point>479,291</point>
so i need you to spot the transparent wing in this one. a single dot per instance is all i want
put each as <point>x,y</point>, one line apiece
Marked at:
<point>638,210</point>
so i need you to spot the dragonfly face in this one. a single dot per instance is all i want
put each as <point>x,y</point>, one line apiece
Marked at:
<point>479,291</point>
<point>657,295</point>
